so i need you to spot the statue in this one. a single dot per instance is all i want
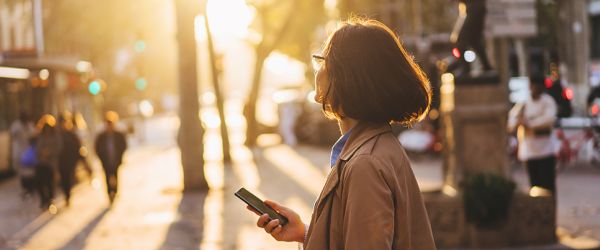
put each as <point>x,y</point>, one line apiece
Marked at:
<point>468,35</point>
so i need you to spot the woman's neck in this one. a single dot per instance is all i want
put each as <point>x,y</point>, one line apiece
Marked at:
<point>346,124</point>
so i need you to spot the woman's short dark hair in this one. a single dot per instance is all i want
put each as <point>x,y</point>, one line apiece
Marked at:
<point>371,76</point>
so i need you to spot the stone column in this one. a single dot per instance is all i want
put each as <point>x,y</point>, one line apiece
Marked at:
<point>474,114</point>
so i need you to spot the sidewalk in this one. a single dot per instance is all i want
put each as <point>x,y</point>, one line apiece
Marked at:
<point>151,212</point>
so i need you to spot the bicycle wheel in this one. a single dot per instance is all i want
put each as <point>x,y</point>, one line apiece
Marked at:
<point>561,165</point>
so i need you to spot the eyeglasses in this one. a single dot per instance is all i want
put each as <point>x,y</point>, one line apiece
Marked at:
<point>317,61</point>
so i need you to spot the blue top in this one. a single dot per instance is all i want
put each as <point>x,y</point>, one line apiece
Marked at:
<point>338,146</point>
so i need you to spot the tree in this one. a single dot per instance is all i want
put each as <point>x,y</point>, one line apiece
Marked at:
<point>215,80</point>
<point>190,131</point>
<point>296,22</point>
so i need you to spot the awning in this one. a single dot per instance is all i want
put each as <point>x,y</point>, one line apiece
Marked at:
<point>14,73</point>
<point>69,65</point>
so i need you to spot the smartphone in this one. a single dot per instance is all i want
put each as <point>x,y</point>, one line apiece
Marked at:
<point>260,206</point>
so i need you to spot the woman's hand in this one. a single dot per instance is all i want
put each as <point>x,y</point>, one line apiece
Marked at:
<point>292,231</point>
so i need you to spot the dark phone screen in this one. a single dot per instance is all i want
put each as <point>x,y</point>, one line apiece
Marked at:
<point>259,205</point>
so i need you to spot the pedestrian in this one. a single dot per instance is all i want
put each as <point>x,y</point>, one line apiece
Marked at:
<point>110,146</point>
<point>81,130</point>
<point>69,155</point>
<point>48,149</point>
<point>371,199</point>
<point>27,172</point>
<point>21,130</point>
<point>533,119</point>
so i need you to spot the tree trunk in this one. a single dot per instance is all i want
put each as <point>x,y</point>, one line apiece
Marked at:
<point>252,130</point>
<point>218,94</point>
<point>263,50</point>
<point>190,133</point>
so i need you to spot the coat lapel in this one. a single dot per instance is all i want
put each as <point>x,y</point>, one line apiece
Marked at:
<point>359,135</point>
<point>321,217</point>
<point>330,184</point>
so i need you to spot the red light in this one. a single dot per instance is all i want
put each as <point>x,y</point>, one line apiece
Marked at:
<point>560,134</point>
<point>595,109</point>
<point>548,82</point>
<point>456,52</point>
<point>568,94</point>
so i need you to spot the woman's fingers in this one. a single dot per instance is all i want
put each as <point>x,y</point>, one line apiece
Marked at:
<point>271,226</point>
<point>263,220</point>
<point>279,208</point>
<point>273,204</point>
<point>275,233</point>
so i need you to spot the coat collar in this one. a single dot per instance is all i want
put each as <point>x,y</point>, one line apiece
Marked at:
<point>361,133</point>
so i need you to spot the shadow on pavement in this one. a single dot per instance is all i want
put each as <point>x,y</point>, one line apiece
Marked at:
<point>188,230</point>
<point>24,218</point>
<point>79,240</point>
<point>279,186</point>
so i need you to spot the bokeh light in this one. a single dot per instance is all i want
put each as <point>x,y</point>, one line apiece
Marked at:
<point>94,87</point>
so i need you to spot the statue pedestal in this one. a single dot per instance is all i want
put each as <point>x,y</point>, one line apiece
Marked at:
<point>474,120</point>
<point>474,117</point>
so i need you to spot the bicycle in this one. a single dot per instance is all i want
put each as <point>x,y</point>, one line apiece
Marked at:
<point>588,140</point>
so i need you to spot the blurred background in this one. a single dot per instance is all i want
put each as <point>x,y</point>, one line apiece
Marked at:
<point>214,95</point>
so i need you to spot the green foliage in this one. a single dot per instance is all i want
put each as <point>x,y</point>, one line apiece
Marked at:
<point>439,16</point>
<point>435,16</point>
<point>98,31</point>
<point>296,41</point>
<point>548,24</point>
<point>487,198</point>
<point>299,40</point>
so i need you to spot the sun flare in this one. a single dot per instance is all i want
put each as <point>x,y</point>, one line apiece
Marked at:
<point>229,17</point>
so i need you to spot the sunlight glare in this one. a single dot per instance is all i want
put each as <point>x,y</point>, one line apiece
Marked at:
<point>211,119</point>
<point>287,69</point>
<point>229,17</point>
<point>199,30</point>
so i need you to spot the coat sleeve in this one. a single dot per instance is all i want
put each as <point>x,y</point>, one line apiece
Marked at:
<point>368,218</point>
<point>548,118</point>
<point>513,116</point>
<point>97,144</point>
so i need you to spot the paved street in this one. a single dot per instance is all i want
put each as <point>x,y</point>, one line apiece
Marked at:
<point>152,213</point>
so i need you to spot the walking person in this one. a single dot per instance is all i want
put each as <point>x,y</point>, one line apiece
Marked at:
<point>80,128</point>
<point>371,199</point>
<point>534,119</point>
<point>69,156</point>
<point>27,172</point>
<point>48,149</point>
<point>21,130</point>
<point>110,146</point>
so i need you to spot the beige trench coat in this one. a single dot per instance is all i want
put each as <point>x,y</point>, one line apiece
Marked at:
<point>374,201</point>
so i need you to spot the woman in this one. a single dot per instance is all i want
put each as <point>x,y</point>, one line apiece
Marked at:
<point>534,119</point>
<point>371,199</point>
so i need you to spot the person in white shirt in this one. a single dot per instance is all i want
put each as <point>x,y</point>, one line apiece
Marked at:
<point>21,130</point>
<point>534,120</point>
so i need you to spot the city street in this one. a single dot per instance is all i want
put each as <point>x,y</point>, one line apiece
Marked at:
<point>239,92</point>
<point>150,211</point>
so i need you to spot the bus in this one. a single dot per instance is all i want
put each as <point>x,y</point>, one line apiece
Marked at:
<point>38,86</point>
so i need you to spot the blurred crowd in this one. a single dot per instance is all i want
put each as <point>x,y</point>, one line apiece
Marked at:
<point>49,151</point>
